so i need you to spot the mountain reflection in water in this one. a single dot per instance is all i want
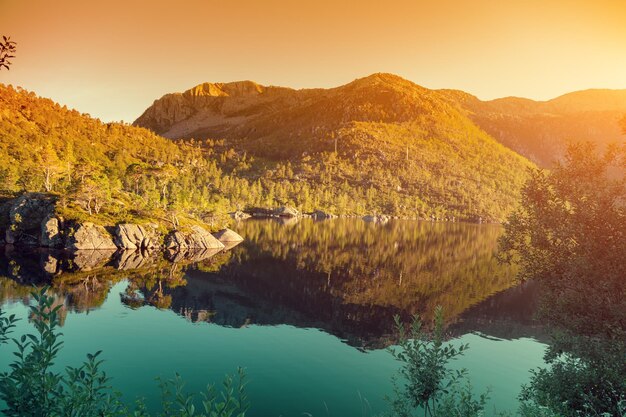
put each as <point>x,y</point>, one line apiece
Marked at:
<point>344,276</point>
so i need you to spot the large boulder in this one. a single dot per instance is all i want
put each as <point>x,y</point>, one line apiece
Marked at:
<point>134,236</point>
<point>201,238</point>
<point>196,238</point>
<point>227,236</point>
<point>286,211</point>
<point>51,232</point>
<point>89,236</point>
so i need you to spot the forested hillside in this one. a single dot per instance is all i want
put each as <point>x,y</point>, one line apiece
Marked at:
<point>103,172</point>
<point>379,144</point>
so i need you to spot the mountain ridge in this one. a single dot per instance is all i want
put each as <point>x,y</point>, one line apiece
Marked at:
<point>538,130</point>
<point>410,143</point>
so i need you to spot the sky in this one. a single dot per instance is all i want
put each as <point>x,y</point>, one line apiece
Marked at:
<point>113,58</point>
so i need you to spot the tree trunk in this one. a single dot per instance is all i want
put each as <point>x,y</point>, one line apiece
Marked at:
<point>46,182</point>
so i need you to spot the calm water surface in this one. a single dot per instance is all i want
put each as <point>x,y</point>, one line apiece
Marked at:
<point>306,308</point>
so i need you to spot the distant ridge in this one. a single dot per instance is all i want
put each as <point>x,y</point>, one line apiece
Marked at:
<point>538,130</point>
<point>541,130</point>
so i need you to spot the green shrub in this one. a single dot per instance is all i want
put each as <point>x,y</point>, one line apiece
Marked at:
<point>32,386</point>
<point>425,381</point>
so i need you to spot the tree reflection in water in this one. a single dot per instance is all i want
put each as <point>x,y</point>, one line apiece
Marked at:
<point>345,276</point>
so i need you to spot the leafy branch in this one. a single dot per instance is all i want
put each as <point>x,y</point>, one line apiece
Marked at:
<point>7,51</point>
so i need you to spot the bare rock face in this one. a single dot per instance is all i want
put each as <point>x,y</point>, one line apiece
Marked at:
<point>201,238</point>
<point>176,240</point>
<point>90,236</point>
<point>227,236</point>
<point>51,228</point>
<point>197,238</point>
<point>134,236</point>
<point>206,101</point>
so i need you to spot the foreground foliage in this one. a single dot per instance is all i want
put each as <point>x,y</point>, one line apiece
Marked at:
<point>570,235</point>
<point>33,386</point>
<point>426,382</point>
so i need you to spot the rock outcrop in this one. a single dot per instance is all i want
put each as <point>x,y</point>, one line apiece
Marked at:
<point>176,240</point>
<point>134,236</point>
<point>201,238</point>
<point>196,238</point>
<point>31,220</point>
<point>89,236</point>
<point>229,238</point>
<point>228,235</point>
<point>51,232</point>
<point>209,103</point>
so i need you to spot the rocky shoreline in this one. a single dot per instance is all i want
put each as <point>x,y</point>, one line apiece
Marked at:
<point>287,212</point>
<point>31,220</point>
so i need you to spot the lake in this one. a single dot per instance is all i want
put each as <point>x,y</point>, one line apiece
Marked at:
<point>305,307</point>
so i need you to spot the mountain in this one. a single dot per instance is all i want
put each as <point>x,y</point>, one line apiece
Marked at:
<point>541,130</point>
<point>538,130</point>
<point>380,143</point>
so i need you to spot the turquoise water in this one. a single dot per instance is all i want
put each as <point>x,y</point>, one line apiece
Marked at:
<point>337,368</point>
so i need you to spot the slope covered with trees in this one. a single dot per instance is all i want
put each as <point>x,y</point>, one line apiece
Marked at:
<point>379,144</point>
<point>104,172</point>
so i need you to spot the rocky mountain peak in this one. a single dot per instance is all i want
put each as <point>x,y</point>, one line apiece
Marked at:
<point>232,89</point>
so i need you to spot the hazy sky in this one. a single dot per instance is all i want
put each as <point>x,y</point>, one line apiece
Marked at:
<point>113,58</point>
